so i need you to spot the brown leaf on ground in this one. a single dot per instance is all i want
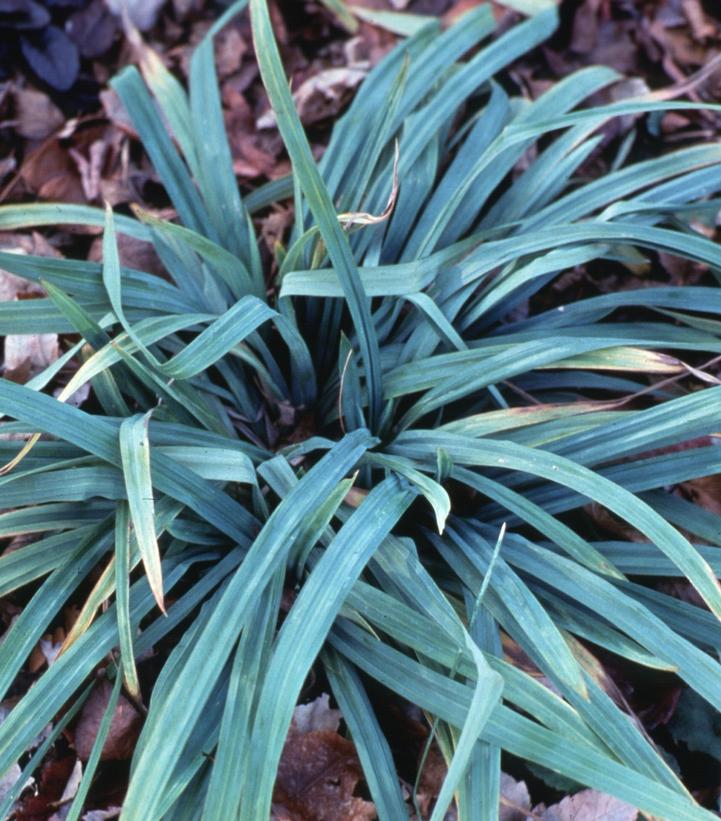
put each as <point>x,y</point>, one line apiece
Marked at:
<point>255,154</point>
<point>704,491</point>
<point>46,650</point>
<point>28,354</point>
<point>434,771</point>
<point>53,778</point>
<point>599,38</point>
<point>116,113</point>
<point>681,271</point>
<point>587,805</point>
<point>25,354</point>
<point>321,96</point>
<point>133,253</point>
<point>102,815</point>
<point>317,776</point>
<point>69,792</point>
<point>319,770</point>
<point>50,173</point>
<point>124,727</point>
<point>14,287</point>
<point>702,27</point>
<point>515,800</point>
<point>90,168</point>
<point>142,13</point>
<point>36,116</point>
<point>612,524</point>
<point>230,48</point>
<point>316,715</point>
<point>273,228</point>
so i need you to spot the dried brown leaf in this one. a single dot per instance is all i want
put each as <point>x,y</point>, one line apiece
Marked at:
<point>124,727</point>
<point>704,491</point>
<point>37,117</point>
<point>588,805</point>
<point>70,791</point>
<point>314,716</point>
<point>321,95</point>
<point>434,772</point>
<point>50,173</point>
<point>28,354</point>
<point>273,228</point>
<point>317,777</point>
<point>515,800</point>
<point>133,253</point>
<point>51,783</point>
<point>102,815</point>
<point>90,168</point>
<point>115,111</point>
<point>230,48</point>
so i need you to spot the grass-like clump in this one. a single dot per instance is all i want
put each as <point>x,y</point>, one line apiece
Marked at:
<point>372,425</point>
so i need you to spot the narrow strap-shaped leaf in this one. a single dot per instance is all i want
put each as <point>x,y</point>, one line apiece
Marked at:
<point>156,141</point>
<point>135,457</point>
<point>379,769</point>
<point>246,679</point>
<point>71,670</point>
<point>122,598</point>
<point>218,338</point>
<point>37,214</point>
<point>230,268</point>
<point>174,718</point>
<point>112,279</point>
<point>99,436</point>
<point>310,618</point>
<point>434,492</point>
<point>28,628</point>
<point>318,198</point>
<point>216,177</point>
<point>558,469</point>
<point>511,731</point>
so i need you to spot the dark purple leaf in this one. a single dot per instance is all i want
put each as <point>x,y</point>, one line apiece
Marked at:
<point>52,55</point>
<point>23,14</point>
<point>92,29</point>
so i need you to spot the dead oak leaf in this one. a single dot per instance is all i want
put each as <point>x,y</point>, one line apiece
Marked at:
<point>432,778</point>
<point>50,173</point>
<point>28,354</point>
<point>316,715</point>
<point>515,800</point>
<point>321,96</point>
<point>37,117</point>
<point>316,778</point>
<point>124,727</point>
<point>588,805</point>
<point>54,775</point>
<point>25,354</point>
<point>230,48</point>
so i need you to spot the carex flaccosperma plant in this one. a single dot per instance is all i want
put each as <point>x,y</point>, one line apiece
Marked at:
<point>388,421</point>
